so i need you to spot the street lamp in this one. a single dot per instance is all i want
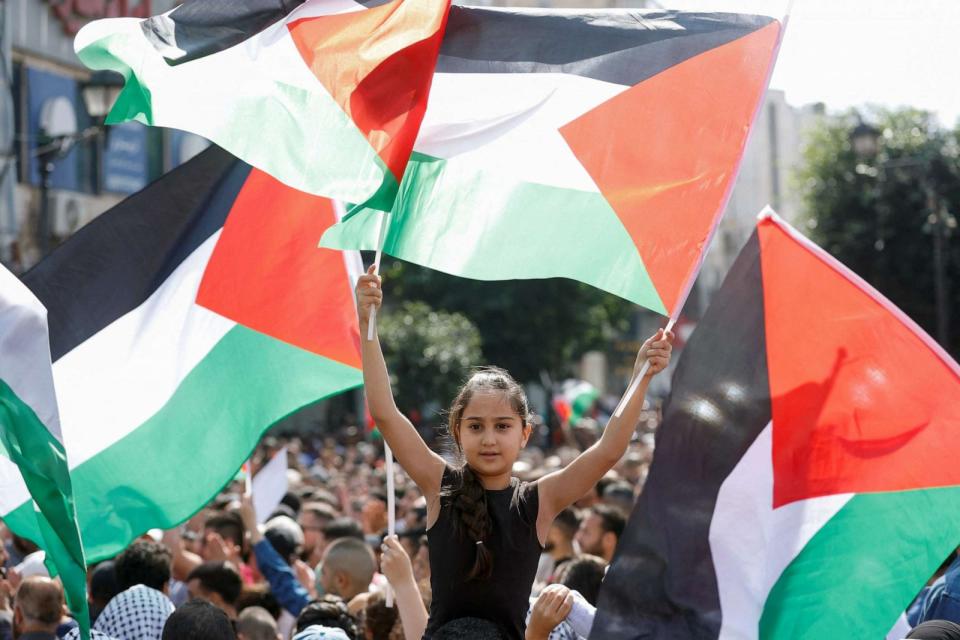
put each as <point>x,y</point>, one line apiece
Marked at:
<point>59,134</point>
<point>865,142</point>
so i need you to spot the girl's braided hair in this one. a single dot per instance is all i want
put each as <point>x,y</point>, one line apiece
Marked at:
<point>467,496</point>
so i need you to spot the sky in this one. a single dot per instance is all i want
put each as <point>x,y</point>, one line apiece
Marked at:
<point>851,52</point>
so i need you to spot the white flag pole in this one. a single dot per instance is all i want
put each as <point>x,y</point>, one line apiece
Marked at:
<point>384,223</point>
<point>391,508</point>
<point>632,389</point>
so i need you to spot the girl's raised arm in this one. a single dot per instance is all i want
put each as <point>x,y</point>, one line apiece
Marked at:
<point>423,465</point>
<point>562,488</point>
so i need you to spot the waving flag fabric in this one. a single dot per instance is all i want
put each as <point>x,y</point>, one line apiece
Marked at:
<point>593,145</point>
<point>805,482</point>
<point>183,323</point>
<point>325,95</point>
<point>33,463</point>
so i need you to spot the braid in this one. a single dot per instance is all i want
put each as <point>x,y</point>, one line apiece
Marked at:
<point>470,505</point>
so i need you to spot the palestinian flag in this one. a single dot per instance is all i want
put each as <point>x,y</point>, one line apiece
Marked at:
<point>575,399</point>
<point>33,463</point>
<point>324,95</point>
<point>805,482</point>
<point>184,322</point>
<point>594,145</point>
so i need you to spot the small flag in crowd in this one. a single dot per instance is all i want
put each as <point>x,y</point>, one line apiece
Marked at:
<point>575,399</point>
<point>183,323</point>
<point>805,482</point>
<point>594,145</point>
<point>270,485</point>
<point>33,463</point>
<point>325,95</point>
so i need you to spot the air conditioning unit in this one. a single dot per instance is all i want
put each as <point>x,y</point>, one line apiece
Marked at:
<point>68,212</point>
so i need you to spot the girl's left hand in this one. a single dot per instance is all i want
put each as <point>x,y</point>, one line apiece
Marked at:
<point>655,350</point>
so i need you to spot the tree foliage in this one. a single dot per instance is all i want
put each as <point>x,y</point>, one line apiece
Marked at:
<point>428,352</point>
<point>526,326</point>
<point>873,213</point>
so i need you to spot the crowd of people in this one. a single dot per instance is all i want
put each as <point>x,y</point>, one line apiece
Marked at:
<point>321,565</point>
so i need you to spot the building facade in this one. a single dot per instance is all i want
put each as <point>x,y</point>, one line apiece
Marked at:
<point>41,90</point>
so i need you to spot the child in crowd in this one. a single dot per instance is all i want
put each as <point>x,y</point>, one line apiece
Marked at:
<point>486,530</point>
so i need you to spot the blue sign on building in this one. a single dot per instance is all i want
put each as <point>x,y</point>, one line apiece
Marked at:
<point>125,167</point>
<point>41,87</point>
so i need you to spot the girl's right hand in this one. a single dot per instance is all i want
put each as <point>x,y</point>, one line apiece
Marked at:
<point>368,293</point>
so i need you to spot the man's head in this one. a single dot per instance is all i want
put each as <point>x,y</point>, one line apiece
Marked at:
<point>348,568</point>
<point>285,537</point>
<point>227,526</point>
<point>561,534</point>
<point>38,605</point>
<point>584,574</point>
<point>328,611</point>
<point>144,562</point>
<point>218,583</point>
<point>256,623</point>
<point>198,620</point>
<point>374,513</point>
<point>600,531</point>
<point>103,586</point>
<point>619,494</point>
<point>314,516</point>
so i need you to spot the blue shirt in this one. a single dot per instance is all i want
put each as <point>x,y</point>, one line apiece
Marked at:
<point>283,583</point>
<point>942,600</point>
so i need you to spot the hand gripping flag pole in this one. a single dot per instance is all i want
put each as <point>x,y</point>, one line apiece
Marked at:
<point>384,223</point>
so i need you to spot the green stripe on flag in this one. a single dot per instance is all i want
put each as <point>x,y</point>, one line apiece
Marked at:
<point>171,465</point>
<point>862,569</point>
<point>457,218</point>
<point>43,465</point>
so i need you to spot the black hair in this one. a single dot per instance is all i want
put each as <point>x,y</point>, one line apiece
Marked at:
<point>219,577</point>
<point>329,611</point>
<point>584,574</point>
<point>473,628</point>
<point>467,496</point>
<point>228,525</point>
<point>567,521</point>
<point>258,595</point>
<point>144,562</point>
<point>612,519</point>
<point>342,528</point>
<point>198,620</point>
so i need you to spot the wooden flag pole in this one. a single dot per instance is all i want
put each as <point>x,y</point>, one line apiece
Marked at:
<point>384,223</point>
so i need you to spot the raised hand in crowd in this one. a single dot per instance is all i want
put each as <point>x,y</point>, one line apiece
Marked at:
<point>551,608</point>
<point>396,566</point>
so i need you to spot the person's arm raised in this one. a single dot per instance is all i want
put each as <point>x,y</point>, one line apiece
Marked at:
<point>423,465</point>
<point>561,488</point>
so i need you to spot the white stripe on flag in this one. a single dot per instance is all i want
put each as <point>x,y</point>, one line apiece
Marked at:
<point>752,543</point>
<point>117,379</point>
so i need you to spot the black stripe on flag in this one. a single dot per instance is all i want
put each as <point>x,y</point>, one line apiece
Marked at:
<point>112,265</point>
<point>198,28</point>
<point>662,582</point>
<point>622,47</point>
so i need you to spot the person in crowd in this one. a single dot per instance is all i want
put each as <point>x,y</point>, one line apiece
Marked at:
<point>485,528</point>
<point>619,494</point>
<point>103,586</point>
<point>584,574</point>
<point>37,609</point>
<point>942,600</point>
<point>329,612</point>
<point>373,515</point>
<point>314,517</point>
<point>218,583</point>
<point>140,610</point>
<point>559,548</point>
<point>256,623</point>
<point>936,630</point>
<point>559,613</point>
<point>381,622</point>
<point>198,620</point>
<point>600,530</point>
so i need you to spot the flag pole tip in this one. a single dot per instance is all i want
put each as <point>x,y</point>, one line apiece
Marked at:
<point>768,213</point>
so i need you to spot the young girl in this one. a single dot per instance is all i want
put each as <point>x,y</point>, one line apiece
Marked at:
<point>486,529</point>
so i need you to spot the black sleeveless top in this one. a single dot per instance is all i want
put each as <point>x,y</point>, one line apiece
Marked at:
<point>503,598</point>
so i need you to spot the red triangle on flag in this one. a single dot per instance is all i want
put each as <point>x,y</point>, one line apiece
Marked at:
<point>862,399</point>
<point>665,168</point>
<point>268,274</point>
